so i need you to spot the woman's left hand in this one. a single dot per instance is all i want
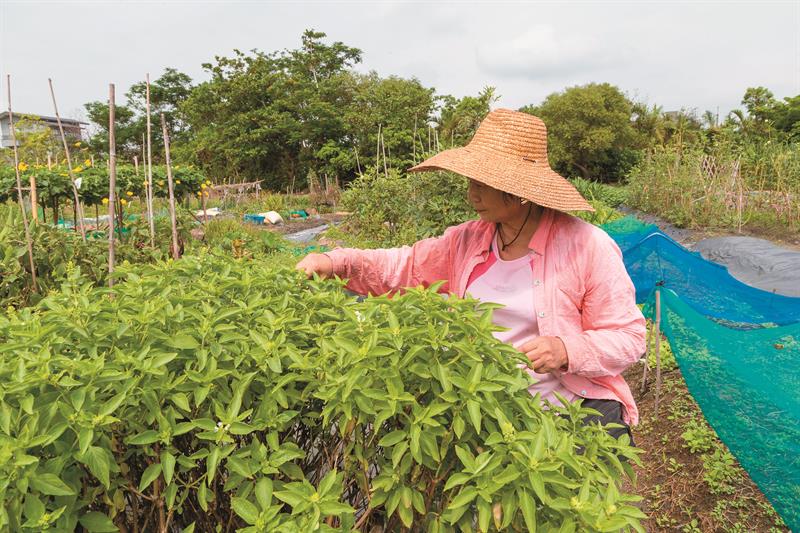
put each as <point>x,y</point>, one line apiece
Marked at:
<point>546,354</point>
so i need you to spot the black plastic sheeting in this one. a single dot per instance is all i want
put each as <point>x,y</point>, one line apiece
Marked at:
<point>756,262</point>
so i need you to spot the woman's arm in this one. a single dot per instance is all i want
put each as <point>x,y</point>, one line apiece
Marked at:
<point>390,269</point>
<point>614,328</point>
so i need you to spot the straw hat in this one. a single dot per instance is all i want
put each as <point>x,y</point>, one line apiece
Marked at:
<point>509,153</point>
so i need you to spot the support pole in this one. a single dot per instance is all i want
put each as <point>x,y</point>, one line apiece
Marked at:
<point>112,181</point>
<point>149,196</point>
<point>28,240</point>
<point>76,198</point>
<point>175,251</point>
<point>657,334</point>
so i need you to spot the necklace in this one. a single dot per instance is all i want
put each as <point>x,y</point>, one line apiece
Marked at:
<point>500,233</point>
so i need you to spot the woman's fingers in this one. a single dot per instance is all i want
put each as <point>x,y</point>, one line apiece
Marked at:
<point>320,264</point>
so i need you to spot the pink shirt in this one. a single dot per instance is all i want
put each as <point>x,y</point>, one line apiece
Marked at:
<point>585,296</point>
<point>510,283</point>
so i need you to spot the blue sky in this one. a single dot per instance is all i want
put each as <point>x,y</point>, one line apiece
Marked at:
<point>700,55</point>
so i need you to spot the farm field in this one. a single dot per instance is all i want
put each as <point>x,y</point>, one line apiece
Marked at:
<point>165,366</point>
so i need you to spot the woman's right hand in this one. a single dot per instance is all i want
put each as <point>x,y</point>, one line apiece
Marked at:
<point>319,264</point>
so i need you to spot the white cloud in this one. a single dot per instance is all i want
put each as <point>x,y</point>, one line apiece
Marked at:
<point>543,52</point>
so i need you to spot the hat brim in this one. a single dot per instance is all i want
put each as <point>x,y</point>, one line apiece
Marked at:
<point>534,181</point>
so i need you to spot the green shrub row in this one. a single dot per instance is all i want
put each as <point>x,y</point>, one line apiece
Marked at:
<point>212,392</point>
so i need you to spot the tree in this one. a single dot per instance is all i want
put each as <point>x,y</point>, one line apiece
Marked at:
<point>127,142</point>
<point>271,116</point>
<point>166,95</point>
<point>460,118</point>
<point>590,132</point>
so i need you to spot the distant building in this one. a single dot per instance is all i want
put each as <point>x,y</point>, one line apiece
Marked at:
<point>73,129</point>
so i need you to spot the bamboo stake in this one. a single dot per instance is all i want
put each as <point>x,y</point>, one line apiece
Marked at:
<point>28,240</point>
<point>657,334</point>
<point>383,146</point>
<point>175,252</point>
<point>136,165</point>
<point>112,181</point>
<point>34,200</point>
<point>645,358</point>
<point>205,213</point>
<point>78,210</point>
<point>49,161</point>
<point>149,195</point>
<point>414,142</point>
<point>378,152</point>
<point>358,163</point>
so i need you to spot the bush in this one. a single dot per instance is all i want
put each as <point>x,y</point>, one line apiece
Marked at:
<point>210,391</point>
<point>59,252</point>
<point>393,209</point>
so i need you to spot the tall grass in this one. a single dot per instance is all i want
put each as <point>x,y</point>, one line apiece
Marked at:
<point>755,186</point>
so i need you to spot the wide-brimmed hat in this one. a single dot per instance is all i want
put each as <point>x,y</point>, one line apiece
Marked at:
<point>509,153</point>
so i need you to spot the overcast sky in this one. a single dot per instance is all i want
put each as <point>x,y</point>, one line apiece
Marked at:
<point>700,55</point>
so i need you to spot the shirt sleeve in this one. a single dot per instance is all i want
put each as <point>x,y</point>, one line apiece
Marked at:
<point>614,329</point>
<point>388,270</point>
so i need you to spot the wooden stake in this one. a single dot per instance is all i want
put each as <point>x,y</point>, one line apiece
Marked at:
<point>205,214</point>
<point>77,200</point>
<point>28,240</point>
<point>112,180</point>
<point>175,251</point>
<point>149,196</point>
<point>657,334</point>
<point>49,161</point>
<point>136,165</point>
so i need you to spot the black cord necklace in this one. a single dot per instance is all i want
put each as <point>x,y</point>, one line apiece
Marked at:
<point>500,233</point>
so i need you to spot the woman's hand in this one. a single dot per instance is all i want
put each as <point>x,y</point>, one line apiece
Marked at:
<point>319,264</point>
<point>546,354</point>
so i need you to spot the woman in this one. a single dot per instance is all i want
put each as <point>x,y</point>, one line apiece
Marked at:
<point>569,303</point>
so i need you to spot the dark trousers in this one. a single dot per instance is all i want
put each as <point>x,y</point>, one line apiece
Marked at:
<point>610,413</point>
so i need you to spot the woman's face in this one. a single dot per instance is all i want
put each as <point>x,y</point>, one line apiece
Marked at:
<point>493,205</point>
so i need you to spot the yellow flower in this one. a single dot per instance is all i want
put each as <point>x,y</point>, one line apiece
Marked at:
<point>78,169</point>
<point>203,185</point>
<point>78,143</point>
<point>176,166</point>
<point>161,183</point>
<point>22,166</point>
<point>144,184</point>
<point>129,193</point>
<point>124,201</point>
<point>62,174</point>
<point>178,182</point>
<point>87,163</point>
<point>206,193</point>
<point>105,201</point>
<point>208,182</point>
<point>199,193</point>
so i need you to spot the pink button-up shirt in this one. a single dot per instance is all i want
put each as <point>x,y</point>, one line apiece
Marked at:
<point>583,293</point>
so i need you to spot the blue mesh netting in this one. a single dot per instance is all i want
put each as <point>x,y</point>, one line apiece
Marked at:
<point>744,376</point>
<point>746,382</point>
<point>655,260</point>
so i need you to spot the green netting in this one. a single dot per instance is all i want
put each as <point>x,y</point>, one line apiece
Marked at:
<point>746,382</point>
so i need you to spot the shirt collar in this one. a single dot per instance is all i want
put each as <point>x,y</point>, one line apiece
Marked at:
<point>542,233</point>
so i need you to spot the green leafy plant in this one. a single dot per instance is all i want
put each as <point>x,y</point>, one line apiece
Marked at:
<point>213,391</point>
